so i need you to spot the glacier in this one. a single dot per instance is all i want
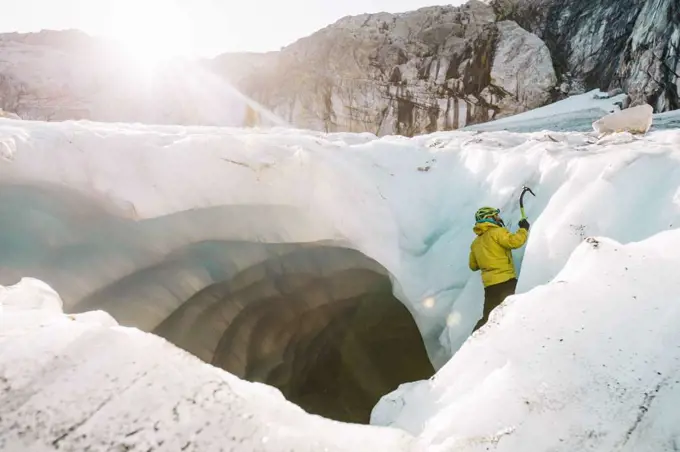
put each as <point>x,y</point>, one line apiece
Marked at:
<point>399,207</point>
<point>590,361</point>
<point>108,387</point>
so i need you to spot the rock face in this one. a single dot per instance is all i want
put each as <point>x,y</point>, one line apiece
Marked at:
<point>438,68</point>
<point>522,68</point>
<point>443,68</point>
<point>629,44</point>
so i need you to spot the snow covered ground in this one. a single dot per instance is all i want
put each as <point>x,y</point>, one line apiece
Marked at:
<point>590,361</point>
<point>81,382</point>
<point>574,114</point>
<point>409,204</point>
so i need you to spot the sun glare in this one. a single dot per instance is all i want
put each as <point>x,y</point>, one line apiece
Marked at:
<point>152,31</point>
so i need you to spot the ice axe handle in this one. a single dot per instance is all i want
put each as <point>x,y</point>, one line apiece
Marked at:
<point>525,190</point>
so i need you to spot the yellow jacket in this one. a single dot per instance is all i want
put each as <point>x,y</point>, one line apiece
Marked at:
<point>490,252</point>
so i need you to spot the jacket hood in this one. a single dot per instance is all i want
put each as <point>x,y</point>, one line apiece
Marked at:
<point>481,228</point>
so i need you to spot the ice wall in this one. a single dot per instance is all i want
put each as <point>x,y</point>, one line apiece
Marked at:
<point>406,203</point>
<point>588,362</point>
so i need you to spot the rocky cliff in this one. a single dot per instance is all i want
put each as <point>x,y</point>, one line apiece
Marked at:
<point>438,68</point>
<point>633,45</point>
<point>444,67</point>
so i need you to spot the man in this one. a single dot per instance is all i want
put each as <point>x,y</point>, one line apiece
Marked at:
<point>491,253</point>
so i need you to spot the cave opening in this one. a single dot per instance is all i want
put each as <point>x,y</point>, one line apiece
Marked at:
<point>332,340</point>
<point>316,320</point>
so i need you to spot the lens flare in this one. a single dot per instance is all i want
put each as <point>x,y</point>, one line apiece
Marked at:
<point>152,31</point>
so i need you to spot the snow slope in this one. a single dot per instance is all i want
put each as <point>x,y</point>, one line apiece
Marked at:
<point>407,203</point>
<point>81,382</point>
<point>573,114</point>
<point>590,361</point>
<point>598,370</point>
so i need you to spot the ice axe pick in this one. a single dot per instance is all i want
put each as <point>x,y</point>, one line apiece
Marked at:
<point>525,190</point>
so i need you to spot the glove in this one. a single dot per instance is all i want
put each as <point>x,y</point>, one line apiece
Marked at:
<point>524,224</point>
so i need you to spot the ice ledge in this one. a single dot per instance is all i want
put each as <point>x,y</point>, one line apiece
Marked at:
<point>79,382</point>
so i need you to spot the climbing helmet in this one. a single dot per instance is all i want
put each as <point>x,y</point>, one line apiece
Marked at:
<point>486,213</point>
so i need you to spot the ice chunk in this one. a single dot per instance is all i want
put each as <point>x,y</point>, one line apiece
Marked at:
<point>634,120</point>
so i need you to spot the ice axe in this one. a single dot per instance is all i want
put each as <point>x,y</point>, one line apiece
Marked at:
<point>525,190</point>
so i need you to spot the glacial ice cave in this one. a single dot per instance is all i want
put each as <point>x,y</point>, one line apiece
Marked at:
<point>316,320</point>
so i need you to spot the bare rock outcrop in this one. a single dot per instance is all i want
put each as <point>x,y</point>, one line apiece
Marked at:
<point>437,68</point>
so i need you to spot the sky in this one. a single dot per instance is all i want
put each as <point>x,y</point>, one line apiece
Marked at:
<point>194,27</point>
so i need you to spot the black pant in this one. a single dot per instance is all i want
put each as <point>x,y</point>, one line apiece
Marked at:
<point>494,296</point>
